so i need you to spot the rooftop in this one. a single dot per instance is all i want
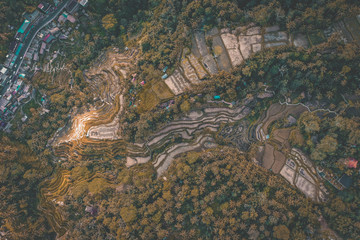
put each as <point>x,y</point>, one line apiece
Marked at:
<point>345,181</point>
<point>24,26</point>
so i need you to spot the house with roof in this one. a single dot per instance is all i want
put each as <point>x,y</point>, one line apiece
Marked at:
<point>18,49</point>
<point>352,163</point>
<point>32,17</point>
<point>72,6</point>
<point>71,18</point>
<point>48,38</point>
<point>3,70</point>
<point>3,103</point>
<point>42,48</point>
<point>36,57</point>
<point>44,7</point>
<point>83,2</point>
<point>24,26</point>
<point>345,181</point>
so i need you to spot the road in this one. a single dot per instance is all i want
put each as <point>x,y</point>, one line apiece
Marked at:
<point>32,34</point>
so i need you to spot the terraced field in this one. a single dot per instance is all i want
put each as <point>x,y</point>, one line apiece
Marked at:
<point>53,192</point>
<point>230,49</point>
<point>277,155</point>
<point>50,195</point>
<point>106,77</point>
<point>191,132</point>
<point>95,133</point>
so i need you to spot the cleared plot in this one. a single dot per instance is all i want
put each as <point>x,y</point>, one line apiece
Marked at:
<point>279,161</point>
<point>201,43</point>
<point>210,64</point>
<point>222,59</point>
<point>194,48</point>
<point>256,47</point>
<point>275,37</point>
<point>288,174</point>
<point>282,135</point>
<point>177,83</point>
<point>306,175</point>
<point>162,90</point>
<point>245,46</point>
<point>189,71</point>
<point>235,57</point>
<point>274,28</point>
<point>275,44</point>
<point>306,187</point>
<point>230,40</point>
<point>255,39</point>
<point>268,158</point>
<point>198,67</point>
<point>300,40</point>
<point>253,31</point>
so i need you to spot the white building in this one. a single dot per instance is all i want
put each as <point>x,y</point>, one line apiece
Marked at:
<point>83,2</point>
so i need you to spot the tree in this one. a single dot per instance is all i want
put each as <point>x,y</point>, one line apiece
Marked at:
<point>310,122</point>
<point>109,21</point>
<point>185,106</point>
<point>128,214</point>
<point>281,232</point>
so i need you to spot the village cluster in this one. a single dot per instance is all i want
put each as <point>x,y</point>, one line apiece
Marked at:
<point>31,43</point>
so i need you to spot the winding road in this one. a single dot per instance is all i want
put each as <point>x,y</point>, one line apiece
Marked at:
<point>30,38</point>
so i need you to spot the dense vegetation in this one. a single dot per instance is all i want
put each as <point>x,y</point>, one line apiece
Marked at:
<point>217,194</point>
<point>20,173</point>
<point>208,195</point>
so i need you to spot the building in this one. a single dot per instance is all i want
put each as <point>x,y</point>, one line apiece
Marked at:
<point>18,49</point>
<point>352,163</point>
<point>32,17</point>
<point>3,70</point>
<point>54,30</point>
<point>345,181</point>
<point>83,2</point>
<point>48,38</point>
<point>36,57</point>
<point>44,7</point>
<point>3,103</point>
<point>24,26</point>
<point>72,6</point>
<point>62,18</point>
<point>71,18</point>
<point>18,36</point>
<point>42,48</point>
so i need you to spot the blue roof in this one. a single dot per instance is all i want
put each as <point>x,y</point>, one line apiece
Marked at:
<point>19,49</point>
<point>217,97</point>
<point>24,26</point>
<point>50,38</point>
